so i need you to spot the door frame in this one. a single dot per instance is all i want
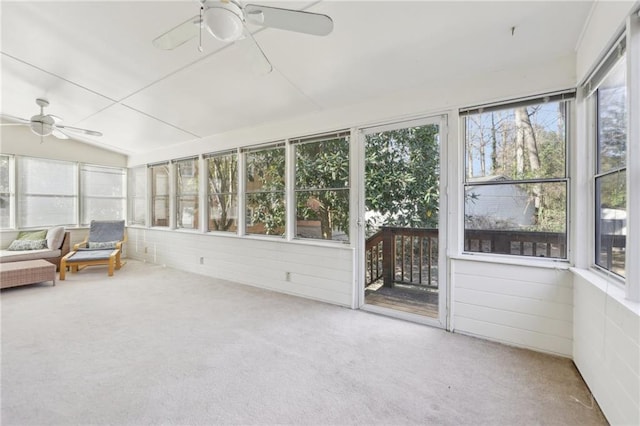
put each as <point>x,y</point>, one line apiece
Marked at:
<point>443,265</point>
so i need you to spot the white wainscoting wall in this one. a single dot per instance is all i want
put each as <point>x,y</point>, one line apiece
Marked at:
<point>524,306</point>
<point>317,272</point>
<point>606,346</point>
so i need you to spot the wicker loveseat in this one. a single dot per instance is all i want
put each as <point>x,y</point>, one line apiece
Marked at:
<point>57,246</point>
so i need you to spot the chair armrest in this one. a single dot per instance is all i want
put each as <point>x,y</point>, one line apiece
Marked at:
<point>120,243</point>
<point>81,244</point>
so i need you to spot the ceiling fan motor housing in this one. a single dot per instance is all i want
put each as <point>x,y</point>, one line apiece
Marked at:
<point>42,125</point>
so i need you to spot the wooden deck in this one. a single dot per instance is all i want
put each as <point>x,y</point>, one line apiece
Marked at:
<point>410,299</point>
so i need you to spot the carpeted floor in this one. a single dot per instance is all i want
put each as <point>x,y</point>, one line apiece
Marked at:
<point>154,345</point>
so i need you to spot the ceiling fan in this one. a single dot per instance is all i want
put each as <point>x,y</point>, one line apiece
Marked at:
<point>47,124</point>
<point>227,21</point>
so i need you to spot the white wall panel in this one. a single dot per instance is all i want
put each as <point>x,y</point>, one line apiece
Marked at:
<point>606,346</point>
<point>524,306</point>
<point>318,272</point>
<point>606,19</point>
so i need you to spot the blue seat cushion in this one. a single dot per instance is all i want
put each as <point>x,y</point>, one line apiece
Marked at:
<point>84,255</point>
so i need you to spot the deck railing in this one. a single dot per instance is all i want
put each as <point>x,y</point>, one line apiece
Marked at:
<point>410,255</point>
<point>522,243</point>
<point>403,255</point>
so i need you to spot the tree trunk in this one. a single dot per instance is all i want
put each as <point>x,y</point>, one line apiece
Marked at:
<point>325,224</point>
<point>494,145</point>
<point>519,112</point>
<point>528,142</point>
<point>526,133</point>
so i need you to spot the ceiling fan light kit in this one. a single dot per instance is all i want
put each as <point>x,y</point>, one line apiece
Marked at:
<point>224,21</point>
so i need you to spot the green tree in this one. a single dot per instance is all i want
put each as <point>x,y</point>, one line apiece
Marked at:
<point>223,186</point>
<point>265,191</point>
<point>402,177</point>
<point>322,184</point>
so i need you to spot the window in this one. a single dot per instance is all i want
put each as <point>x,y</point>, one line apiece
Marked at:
<point>516,181</point>
<point>223,192</point>
<point>137,195</point>
<point>265,190</point>
<point>48,192</point>
<point>187,193</point>
<point>160,195</point>
<point>610,179</point>
<point>6,191</point>
<point>322,187</point>
<point>103,193</point>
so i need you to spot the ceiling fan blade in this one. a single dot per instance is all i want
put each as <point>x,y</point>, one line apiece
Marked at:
<point>59,134</point>
<point>289,19</point>
<point>179,35</point>
<point>55,118</point>
<point>14,124</point>
<point>260,64</point>
<point>14,118</point>
<point>79,130</point>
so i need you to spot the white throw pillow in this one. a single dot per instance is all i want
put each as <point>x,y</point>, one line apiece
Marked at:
<point>55,237</point>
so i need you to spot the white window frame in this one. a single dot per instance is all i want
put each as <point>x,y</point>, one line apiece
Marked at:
<point>245,193</point>
<point>132,195</point>
<point>631,284</point>
<point>152,196</point>
<point>294,190</point>
<point>122,198</point>
<point>568,96</point>
<point>177,194</point>
<point>19,193</point>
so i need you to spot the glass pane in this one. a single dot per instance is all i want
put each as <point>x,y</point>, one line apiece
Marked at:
<point>265,170</point>
<point>187,172</point>
<point>160,195</point>
<point>38,176</point>
<point>402,178</point>
<point>611,222</point>
<point>139,209</point>
<point>265,213</point>
<point>519,143</point>
<point>5,187</point>
<point>160,180</point>
<point>138,182</point>
<point>323,214</point>
<point>137,195</point>
<point>612,120</point>
<point>323,164</point>
<point>524,219</point>
<point>187,211</point>
<point>223,174</point>
<point>96,182</point>
<point>160,214</point>
<point>47,211</point>
<point>223,212</point>
<point>5,193</point>
<point>102,181</point>
<point>102,209</point>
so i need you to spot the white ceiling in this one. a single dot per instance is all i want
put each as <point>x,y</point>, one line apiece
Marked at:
<point>94,61</point>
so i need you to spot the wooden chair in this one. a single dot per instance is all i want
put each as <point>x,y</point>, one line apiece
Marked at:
<point>103,246</point>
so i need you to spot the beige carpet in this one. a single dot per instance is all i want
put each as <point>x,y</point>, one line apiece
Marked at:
<point>158,346</point>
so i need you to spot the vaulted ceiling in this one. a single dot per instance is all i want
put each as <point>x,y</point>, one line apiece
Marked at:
<point>95,63</point>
